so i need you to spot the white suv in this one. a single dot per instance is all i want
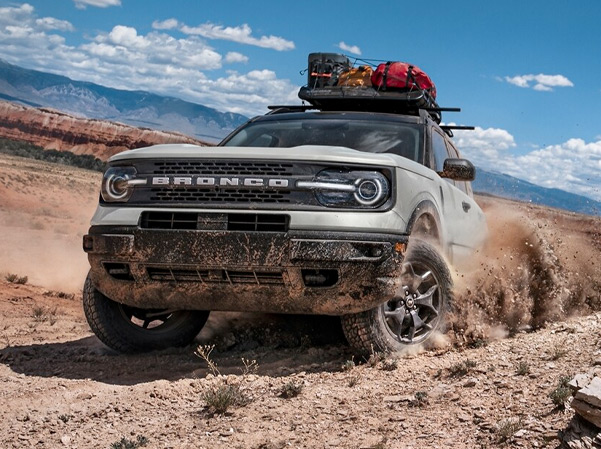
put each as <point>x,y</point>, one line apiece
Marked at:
<point>344,213</point>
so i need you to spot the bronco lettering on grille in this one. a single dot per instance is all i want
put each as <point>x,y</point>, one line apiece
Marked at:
<point>219,181</point>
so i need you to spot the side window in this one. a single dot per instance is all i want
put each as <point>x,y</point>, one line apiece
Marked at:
<point>439,150</point>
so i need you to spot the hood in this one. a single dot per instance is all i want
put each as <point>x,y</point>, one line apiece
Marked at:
<point>308,153</point>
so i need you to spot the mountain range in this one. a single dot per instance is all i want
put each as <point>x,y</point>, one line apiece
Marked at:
<point>499,184</point>
<point>148,110</point>
<point>136,108</point>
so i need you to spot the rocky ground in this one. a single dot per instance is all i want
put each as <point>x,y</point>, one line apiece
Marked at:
<point>526,319</point>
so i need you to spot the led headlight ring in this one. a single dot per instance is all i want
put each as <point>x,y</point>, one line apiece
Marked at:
<point>369,191</point>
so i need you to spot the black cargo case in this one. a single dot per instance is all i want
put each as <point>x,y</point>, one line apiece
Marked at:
<point>351,98</point>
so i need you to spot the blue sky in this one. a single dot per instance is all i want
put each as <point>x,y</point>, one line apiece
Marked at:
<point>526,73</point>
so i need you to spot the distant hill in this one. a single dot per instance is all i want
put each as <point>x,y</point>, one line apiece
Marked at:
<point>506,186</point>
<point>136,108</point>
<point>56,130</point>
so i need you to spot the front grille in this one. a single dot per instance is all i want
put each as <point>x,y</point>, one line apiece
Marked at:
<point>166,195</point>
<point>215,222</point>
<point>229,183</point>
<point>222,168</point>
<point>206,276</point>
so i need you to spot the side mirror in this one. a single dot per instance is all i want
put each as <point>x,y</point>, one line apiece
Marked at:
<point>458,170</point>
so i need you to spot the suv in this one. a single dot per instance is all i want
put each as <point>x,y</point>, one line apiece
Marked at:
<point>300,211</point>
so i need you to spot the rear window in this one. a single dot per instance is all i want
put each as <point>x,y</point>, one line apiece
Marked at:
<point>404,139</point>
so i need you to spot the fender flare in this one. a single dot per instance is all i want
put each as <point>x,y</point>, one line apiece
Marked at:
<point>428,211</point>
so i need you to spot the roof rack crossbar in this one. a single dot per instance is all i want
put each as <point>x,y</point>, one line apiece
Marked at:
<point>450,127</point>
<point>439,109</point>
<point>276,109</point>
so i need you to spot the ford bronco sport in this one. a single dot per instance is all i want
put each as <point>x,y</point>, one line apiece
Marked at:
<point>304,210</point>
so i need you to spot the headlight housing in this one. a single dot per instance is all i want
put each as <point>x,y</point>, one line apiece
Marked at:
<point>118,184</point>
<point>349,189</point>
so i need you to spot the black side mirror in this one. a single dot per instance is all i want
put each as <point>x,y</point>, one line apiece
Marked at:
<point>458,170</point>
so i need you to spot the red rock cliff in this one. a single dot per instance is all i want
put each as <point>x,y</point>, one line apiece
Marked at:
<point>56,130</point>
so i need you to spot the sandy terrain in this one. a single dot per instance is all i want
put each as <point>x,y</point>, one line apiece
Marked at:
<point>526,316</point>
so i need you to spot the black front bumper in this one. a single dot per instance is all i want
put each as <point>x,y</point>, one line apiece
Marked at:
<point>281,272</point>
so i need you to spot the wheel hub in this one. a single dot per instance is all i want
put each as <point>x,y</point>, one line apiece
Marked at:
<point>413,316</point>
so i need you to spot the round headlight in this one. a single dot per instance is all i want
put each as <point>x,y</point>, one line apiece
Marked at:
<point>350,189</point>
<point>116,184</point>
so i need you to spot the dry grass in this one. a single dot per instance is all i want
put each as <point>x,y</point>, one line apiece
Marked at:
<point>507,429</point>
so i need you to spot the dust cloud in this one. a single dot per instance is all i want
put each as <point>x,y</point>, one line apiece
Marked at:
<point>44,211</point>
<point>55,261</point>
<point>538,266</point>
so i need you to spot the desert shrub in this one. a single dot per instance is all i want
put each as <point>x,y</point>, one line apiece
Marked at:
<point>353,380</point>
<point>507,428</point>
<point>16,279</point>
<point>221,397</point>
<point>65,418</point>
<point>291,389</point>
<point>389,364</point>
<point>558,351</point>
<point>28,150</point>
<point>462,368</point>
<point>126,443</point>
<point>523,368</point>
<point>348,365</point>
<point>420,399</point>
<point>562,393</point>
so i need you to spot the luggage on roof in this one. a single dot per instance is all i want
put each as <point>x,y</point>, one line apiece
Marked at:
<point>394,87</point>
<point>402,76</point>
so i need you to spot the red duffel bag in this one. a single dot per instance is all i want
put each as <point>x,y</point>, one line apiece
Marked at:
<point>402,76</point>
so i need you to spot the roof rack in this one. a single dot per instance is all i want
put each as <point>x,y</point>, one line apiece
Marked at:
<point>353,98</point>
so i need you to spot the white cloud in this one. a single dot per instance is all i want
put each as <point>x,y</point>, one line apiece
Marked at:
<point>539,82</point>
<point>123,58</point>
<point>482,145</point>
<point>50,23</point>
<point>82,4</point>
<point>573,166</point>
<point>241,34</point>
<point>234,56</point>
<point>13,15</point>
<point>168,24</point>
<point>350,48</point>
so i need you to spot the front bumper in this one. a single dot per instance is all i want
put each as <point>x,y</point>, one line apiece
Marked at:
<point>329,273</point>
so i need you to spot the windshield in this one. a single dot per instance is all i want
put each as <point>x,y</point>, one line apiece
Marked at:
<point>372,136</point>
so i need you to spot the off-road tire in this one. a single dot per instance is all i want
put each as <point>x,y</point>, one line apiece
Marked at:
<point>109,321</point>
<point>369,331</point>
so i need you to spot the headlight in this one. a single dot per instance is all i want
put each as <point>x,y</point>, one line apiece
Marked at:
<point>353,189</point>
<point>118,184</point>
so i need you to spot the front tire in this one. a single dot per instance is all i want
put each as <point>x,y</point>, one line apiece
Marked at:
<point>130,329</point>
<point>412,317</point>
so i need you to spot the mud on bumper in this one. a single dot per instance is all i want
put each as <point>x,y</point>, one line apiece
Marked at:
<point>293,272</point>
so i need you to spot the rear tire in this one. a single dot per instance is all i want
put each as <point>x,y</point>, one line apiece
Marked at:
<point>130,329</point>
<point>415,315</point>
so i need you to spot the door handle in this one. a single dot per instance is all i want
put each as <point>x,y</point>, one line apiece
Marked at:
<point>466,206</point>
